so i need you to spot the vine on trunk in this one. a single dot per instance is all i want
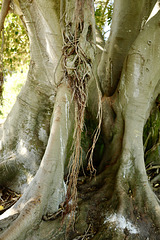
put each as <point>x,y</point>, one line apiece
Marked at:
<point>77,76</point>
<point>77,67</point>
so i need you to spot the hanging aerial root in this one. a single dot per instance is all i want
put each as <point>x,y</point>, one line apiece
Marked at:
<point>77,66</point>
<point>77,77</point>
<point>96,133</point>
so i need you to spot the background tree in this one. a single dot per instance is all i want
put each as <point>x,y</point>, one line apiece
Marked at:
<point>103,14</point>
<point>77,83</point>
<point>14,55</point>
<point>15,52</point>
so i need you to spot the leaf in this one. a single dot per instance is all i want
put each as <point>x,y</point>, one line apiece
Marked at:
<point>1,207</point>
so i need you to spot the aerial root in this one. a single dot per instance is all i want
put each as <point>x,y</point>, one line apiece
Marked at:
<point>30,215</point>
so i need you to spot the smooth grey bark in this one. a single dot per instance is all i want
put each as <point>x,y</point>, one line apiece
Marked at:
<point>27,127</point>
<point>25,135</point>
<point>47,189</point>
<point>123,176</point>
<point>138,90</point>
<point>128,20</point>
<point>35,200</point>
<point>133,197</point>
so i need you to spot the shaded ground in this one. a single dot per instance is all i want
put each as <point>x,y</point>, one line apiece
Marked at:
<point>7,198</point>
<point>92,221</point>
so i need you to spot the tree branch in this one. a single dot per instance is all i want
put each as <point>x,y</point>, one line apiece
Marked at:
<point>138,90</point>
<point>4,12</point>
<point>123,34</point>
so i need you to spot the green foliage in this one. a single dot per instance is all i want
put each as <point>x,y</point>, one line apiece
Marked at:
<point>15,57</point>
<point>16,43</point>
<point>103,13</point>
<point>15,46</point>
<point>15,51</point>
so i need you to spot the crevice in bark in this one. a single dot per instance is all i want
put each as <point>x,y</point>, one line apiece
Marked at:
<point>8,170</point>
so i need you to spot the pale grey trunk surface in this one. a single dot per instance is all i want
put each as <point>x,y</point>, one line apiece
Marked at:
<point>38,133</point>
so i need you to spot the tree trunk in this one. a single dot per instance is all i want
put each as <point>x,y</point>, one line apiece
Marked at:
<point>47,135</point>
